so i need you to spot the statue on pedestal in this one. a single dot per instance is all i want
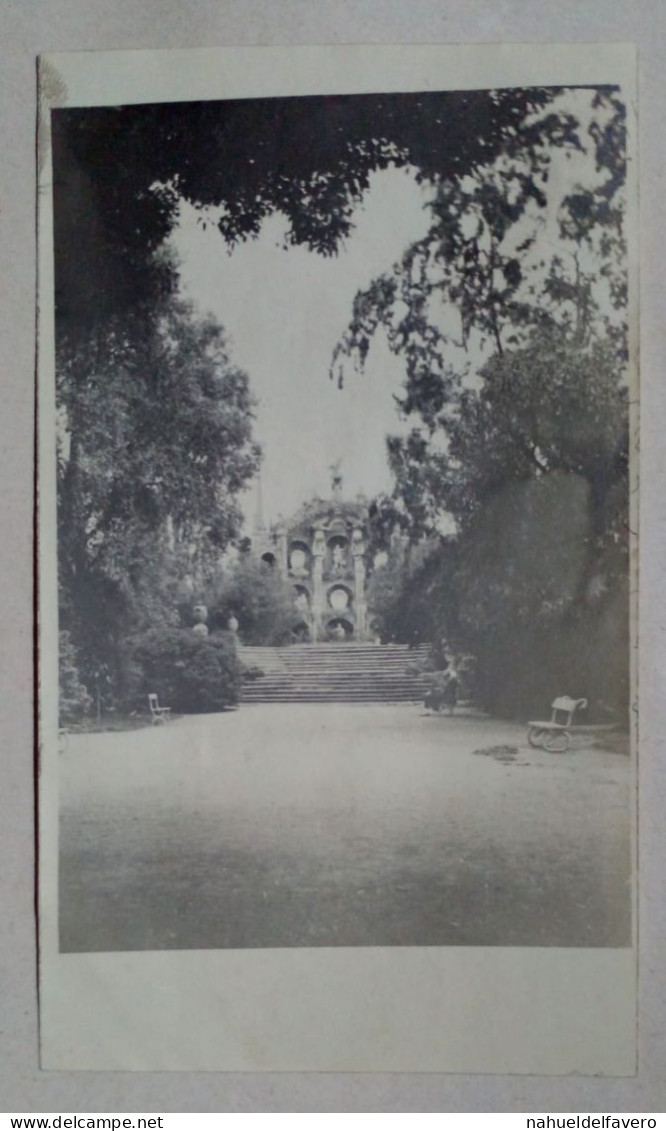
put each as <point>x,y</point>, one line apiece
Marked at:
<point>338,559</point>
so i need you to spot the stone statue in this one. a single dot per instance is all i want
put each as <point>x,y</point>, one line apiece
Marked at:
<point>336,480</point>
<point>338,559</point>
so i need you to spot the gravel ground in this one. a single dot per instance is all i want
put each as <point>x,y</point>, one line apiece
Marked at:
<point>335,825</point>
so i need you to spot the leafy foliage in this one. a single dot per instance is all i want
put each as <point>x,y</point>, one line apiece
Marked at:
<point>154,446</point>
<point>189,673</point>
<point>524,443</point>
<point>547,407</point>
<point>536,475</point>
<point>404,592</point>
<point>509,251</point>
<point>120,173</point>
<point>262,602</point>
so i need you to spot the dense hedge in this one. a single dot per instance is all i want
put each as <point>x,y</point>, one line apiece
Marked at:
<point>188,672</point>
<point>519,672</point>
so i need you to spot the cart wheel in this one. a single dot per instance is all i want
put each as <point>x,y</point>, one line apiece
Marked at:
<point>535,737</point>
<point>556,741</point>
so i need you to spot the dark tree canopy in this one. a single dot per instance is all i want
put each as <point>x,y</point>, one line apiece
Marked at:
<point>120,172</point>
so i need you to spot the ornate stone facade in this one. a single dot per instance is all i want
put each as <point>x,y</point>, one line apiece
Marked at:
<point>321,551</point>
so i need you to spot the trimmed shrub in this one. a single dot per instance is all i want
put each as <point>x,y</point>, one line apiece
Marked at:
<point>189,673</point>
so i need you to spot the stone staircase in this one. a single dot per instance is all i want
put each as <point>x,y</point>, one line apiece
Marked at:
<point>334,673</point>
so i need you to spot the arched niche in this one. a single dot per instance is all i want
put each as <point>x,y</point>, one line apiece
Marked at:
<point>340,598</point>
<point>338,553</point>
<point>339,629</point>
<point>299,558</point>
<point>301,598</point>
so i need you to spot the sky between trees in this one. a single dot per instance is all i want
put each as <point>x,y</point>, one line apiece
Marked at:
<point>284,310</point>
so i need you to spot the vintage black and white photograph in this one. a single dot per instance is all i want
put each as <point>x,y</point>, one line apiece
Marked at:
<point>343,521</point>
<point>338,521</point>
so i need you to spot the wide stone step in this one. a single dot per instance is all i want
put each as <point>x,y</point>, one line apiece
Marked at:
<point>354,666</point>
<point>349,660</point>
<point>330,677</point>
<point>331,697</point>
<point>347,655</point>
<point>396,673</point>
<point>301,667</point>
<point>334,673</point>
<point>324,677</point>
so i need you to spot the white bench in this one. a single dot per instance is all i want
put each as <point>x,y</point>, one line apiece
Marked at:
<point>553,735</point>
<point>158,714</point>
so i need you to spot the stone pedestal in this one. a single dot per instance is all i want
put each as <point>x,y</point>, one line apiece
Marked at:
<point>200,618</point>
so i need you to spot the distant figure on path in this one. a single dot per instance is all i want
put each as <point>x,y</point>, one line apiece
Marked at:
<point>450,697</point>
<point>443,691</point>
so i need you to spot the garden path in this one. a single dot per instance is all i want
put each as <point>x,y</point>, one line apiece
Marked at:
<point>340,825</point>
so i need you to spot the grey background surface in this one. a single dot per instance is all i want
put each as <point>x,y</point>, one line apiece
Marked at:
<point>28,27</point>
